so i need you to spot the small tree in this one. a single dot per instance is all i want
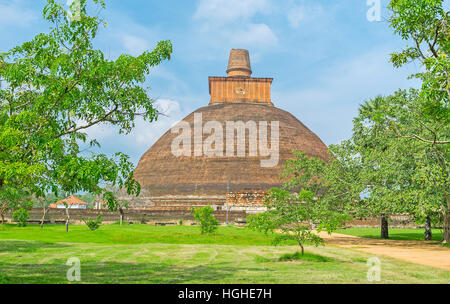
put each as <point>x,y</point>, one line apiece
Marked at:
<point>93,224</point>
<point>208,223</point>
<point>293,216</point>
<point>313,198</point>
<point>21,216</point>
<point>45,208</point>
<point>114,203</point>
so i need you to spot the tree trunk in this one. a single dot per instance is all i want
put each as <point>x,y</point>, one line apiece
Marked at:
<point>301,246</point>
<point>446,235</point>
<point>428,235</point>
<point>43,216</point>
<point>384,227</point>
<point>2,211</point>
<point>121,215</point>
<point>67,220</point>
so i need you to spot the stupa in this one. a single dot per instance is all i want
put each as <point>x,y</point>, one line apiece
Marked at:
<point>195,170</point>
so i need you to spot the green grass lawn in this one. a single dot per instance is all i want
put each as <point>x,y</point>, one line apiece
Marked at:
<point>135,234</point>
<point>179,254</point>
<point>394,233</point>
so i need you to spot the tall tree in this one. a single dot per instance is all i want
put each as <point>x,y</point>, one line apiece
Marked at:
<point>55,87</point>
<point>400,175</point>
<point>426,24</point>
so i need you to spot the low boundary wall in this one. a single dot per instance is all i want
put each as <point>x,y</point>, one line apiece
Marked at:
<point>174,217</point>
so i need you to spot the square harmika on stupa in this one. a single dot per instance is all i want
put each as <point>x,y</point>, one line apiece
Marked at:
<point>174,182</point>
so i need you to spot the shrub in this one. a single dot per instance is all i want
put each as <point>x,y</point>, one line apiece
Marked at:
<point>94,224</point>
<point>208,223</point>
<point>21,216</point>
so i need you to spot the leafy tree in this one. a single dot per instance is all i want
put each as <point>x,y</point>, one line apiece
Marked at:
<point>208,223</point>
<point>114,198</point>
<point>305,203</point>
<point>426,24</point>
<point>401,175</point>
<point>55,87</point>
<point>21,213</point>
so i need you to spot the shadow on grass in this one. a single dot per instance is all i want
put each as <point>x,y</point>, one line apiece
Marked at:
<point>406,237</point>
<point>297,256</point>
<point>117,273</point>
<point>27,246</point>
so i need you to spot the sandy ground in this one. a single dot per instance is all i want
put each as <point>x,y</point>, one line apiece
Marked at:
<point>426,253</point>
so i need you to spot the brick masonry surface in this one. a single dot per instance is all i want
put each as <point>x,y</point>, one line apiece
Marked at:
<point>173,217</point>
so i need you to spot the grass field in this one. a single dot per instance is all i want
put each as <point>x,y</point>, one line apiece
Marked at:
<point>394,233</point>
<point>179,254</point>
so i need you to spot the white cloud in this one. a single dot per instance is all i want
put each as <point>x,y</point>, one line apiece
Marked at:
<point>13,13</point>
<point>231,22</point>
<point>301,13</point>
<point>256,35</point>
<point>135,45</point>
<point>226,11</point>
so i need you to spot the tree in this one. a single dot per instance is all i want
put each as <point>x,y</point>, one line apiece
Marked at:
<point>55,87</point>
<point>111,197</point>
<point>21,216</point>
<point>208,223</point>
<point>305,203</point>
<point>426,24</point>
<point>12,198</point>
<point>44,204</point>
<point>93,224</point>
<point>395,175</point>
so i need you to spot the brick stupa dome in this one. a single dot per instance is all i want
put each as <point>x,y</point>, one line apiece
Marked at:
<point>195,178</point>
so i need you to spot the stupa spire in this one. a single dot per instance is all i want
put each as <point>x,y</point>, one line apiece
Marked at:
<point>239,64</point>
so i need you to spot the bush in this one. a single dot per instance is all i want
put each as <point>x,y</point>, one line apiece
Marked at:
<point>94,224</point>
<point>21,216</point>
<point>208,223</point>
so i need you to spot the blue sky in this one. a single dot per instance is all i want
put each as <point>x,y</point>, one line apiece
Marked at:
<point>326,58</point>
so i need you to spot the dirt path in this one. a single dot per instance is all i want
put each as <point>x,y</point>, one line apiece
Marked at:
<point>426,253</point>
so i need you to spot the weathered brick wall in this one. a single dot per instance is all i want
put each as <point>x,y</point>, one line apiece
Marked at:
<point>395,221</point>
<point>58,216</point>
<point>246,198</point>
<point>174,216</point>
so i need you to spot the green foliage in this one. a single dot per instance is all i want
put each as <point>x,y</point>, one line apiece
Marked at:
<point>56,86</point>
<point>398,153</point>
<point>296,214</point>
<point>21,216</point>
<point>93,224</point>
<point>399,175</point>
<point>426,24</point>
<point>208,223</point>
